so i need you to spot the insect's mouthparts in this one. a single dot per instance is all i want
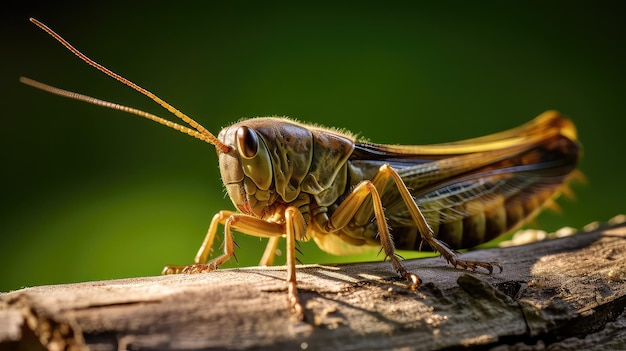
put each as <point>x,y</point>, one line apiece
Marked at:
<point>245,208</point>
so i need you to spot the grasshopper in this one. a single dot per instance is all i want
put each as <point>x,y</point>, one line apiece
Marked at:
<point>306,182</point>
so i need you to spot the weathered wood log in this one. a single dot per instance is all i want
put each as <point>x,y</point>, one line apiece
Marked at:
<point>569,291</point>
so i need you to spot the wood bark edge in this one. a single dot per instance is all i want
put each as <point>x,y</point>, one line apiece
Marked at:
<point>553,291</point>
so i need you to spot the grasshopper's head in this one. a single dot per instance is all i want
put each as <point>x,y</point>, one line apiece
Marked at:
<point>246,169</point>
<point>262,160</point>
<point>267,160</point>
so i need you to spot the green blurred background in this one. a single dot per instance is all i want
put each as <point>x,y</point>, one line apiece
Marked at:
<point>90,193</point>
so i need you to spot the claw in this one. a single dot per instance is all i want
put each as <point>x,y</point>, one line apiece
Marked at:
<point>171,269</point>
<point>294,301</point>
<point>190,269</point>
<point>199,268</point>
<point>474,265</point>
<point>414,280</point>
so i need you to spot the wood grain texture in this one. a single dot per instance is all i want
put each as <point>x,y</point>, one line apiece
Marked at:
<point>568,292</point>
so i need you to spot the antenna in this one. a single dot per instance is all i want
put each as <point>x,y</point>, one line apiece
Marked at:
<point>200,132</point>
<point>76,96</point>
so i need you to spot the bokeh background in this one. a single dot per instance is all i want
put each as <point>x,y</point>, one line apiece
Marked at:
<point>90,193</point>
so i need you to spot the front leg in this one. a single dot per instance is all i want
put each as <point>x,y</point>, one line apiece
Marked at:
<point>241,223</point>
<point>294,227</point>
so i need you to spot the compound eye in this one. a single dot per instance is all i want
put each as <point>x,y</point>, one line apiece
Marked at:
<point>247,142</point>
